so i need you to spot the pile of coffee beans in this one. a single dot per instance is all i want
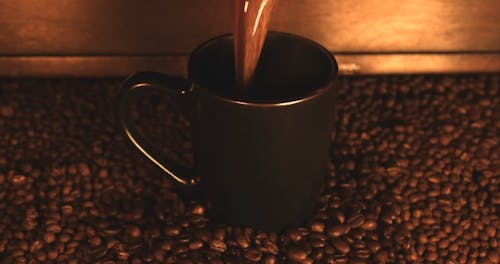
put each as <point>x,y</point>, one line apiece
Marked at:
<point>414,178</point>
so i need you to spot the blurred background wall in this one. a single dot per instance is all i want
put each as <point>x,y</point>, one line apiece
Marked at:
<point>113,38</point>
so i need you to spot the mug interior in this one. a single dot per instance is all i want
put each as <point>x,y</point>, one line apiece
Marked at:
<point>290,68</point>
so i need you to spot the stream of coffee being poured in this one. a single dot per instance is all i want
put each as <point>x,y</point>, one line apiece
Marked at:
<point>250,25</point>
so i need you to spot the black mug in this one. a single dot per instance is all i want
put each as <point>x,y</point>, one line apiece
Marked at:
<point>259,161</point>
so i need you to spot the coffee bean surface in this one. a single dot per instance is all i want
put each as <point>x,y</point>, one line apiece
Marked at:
<point>414,177</point>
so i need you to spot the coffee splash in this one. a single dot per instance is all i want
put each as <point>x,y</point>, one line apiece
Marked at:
<point>250,26</point>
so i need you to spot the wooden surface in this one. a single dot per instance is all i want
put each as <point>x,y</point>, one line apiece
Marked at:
<point>112,37</point>
<point>105,66</point>
<point>114,27</point>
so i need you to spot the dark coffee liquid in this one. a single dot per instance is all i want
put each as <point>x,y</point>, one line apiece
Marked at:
<point>289,68</point>
<point>250,25</point>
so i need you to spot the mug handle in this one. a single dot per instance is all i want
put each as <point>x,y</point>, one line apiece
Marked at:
<point>172,85</point>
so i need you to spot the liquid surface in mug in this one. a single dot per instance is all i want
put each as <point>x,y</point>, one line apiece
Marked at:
<point>289,67</point>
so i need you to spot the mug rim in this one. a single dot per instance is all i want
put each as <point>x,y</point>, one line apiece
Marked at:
<point>321,89</point>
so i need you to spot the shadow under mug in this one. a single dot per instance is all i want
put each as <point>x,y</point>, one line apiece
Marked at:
<point>259,161</point>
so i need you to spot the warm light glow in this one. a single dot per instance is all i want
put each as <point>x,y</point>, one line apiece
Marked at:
<point>245,8</point>
<point>259,15</point>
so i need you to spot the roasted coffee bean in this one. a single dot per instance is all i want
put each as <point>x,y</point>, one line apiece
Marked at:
<point>317,227</point>
<point>218,245</point>
<point>356,260</point>
<point>338,215</point>
<point>49,237</point>
<point>362,253</point>
<point>336,230</point>
<point>84,169</point>
<point>493,256</point>
<point>243,241</point>
<point>7,111</point>
<point>67,209</point>
<point>491,231</point>
<point>356,234</point>
<point>159,255</point>
<point>134,246</point>
<point>23,245</point>
<point>316,243</point>
<point>52,254</point>
<point>198,210</point>
<point>431,256</point>
<point>95,241</point>
<point>373,246</point>
<point>253,255</point>
<point>340,259</point>
<point>317,254</point>
<point>341,245</point>
<point>134,231</point>
<point>296,254</point>
<point>32,213</point>
<point>203,234</point>
<point>40,256</point>
<point>317,236</point>
<point>358,244</point>
<point>444,243</point>
<point>72,244</point>
<point>269,260</point>
<point>328,249</point>
<point>55,228</point>
<point>172,231</point>
<point>295,235</point>
<point>70,251</point>
<point>110,231</point>
<point>382,256</point>
<point>36,245</point>
<point>195,244</point>
<point>17,253</point>
<point>122,255</point>
<point>64,238</point>
<point>90,231</point>
<point>369,224</point>
<point>29,224</point>
<point>219,233</point>
<point>18,179</point>
<point>356,220</point>
<point>164,245</point>
<point>271,247</point>
<point>97,252</point>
